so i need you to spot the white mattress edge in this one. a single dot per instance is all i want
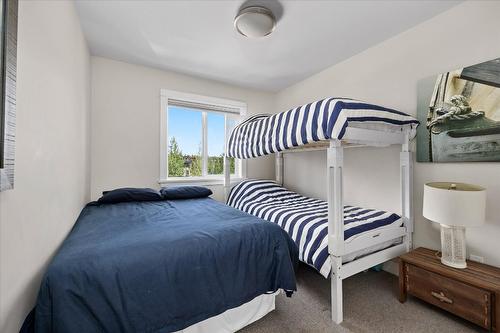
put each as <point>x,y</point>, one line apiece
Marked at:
<point>235,319</point>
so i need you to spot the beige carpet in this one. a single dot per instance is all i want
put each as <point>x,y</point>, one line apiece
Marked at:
<point>370,305</point>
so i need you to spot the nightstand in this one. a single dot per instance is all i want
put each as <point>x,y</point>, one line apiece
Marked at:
<point>472,293</point>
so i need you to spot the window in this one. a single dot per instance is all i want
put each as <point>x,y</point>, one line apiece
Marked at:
<point>194,131</point>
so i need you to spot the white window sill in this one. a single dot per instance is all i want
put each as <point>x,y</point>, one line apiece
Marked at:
<point>198,181</point>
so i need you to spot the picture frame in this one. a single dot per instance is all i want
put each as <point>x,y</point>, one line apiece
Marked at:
<point>8,79</point>
<point>459,113</point>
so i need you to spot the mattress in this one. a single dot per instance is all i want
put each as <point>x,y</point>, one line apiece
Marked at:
<point>306,219</point>
<point>326,119</point>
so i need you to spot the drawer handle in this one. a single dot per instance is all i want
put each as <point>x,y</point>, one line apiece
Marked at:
<point>440,296</point>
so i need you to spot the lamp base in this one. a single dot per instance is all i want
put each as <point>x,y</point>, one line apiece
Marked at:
<point>453,251</point>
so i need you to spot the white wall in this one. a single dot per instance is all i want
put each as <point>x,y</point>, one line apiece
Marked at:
<point>51,184</point>
<point>53,172</point>
<point>387,74</point>
<point>125,129</point>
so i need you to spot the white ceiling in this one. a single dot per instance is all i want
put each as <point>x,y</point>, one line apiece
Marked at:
<point>198,37</point>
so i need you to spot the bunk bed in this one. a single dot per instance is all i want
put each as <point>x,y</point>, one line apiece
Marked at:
<point>331,124</point>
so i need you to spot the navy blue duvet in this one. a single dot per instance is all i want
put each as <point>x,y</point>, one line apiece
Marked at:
<point>160,267</point>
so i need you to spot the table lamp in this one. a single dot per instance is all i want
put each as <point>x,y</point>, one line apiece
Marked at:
<point>455,206</point>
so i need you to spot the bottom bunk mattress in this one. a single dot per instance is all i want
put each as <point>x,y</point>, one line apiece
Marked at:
<point>306,219</point>
<point>160,266</point>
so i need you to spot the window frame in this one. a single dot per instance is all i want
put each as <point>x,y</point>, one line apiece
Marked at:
<point>166,99</point>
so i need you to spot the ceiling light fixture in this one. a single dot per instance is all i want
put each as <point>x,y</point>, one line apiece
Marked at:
<point>255,21</point>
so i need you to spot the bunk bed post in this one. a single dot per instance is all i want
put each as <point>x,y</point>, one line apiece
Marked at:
<point>406,170</point>
<point>227,177</point>
<point>279,168</point>
<point>335,161</point>
<point>225,162</point>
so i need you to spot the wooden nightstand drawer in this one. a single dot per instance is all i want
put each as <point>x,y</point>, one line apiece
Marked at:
<point>464,300</point>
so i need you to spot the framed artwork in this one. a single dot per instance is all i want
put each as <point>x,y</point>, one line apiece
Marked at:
<point>8,69</point>
<point>459,114</point>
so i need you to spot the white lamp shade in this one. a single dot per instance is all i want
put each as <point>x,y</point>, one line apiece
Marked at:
<point>454,204</point>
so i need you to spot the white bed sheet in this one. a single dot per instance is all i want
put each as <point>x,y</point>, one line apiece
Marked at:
<point>235,319</point>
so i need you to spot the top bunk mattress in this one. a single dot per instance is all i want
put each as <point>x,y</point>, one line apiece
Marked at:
<point>306,219</point>
<point>326,119</point>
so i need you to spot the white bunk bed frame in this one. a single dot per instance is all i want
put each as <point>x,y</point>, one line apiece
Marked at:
<point>337,248</point>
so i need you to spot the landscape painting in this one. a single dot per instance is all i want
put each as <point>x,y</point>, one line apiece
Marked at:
<point>459,113</point>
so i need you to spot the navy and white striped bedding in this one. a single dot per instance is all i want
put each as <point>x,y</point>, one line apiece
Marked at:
<point>321,120</point>
<point>305,219</point>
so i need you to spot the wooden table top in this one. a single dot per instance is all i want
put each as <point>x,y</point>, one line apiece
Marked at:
<point>478,274</point>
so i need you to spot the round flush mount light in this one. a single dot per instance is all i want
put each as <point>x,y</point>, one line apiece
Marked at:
<point>255,21</point>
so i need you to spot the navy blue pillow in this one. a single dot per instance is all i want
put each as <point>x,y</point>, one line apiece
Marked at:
<point>129,194</point>
<point>185,192</point>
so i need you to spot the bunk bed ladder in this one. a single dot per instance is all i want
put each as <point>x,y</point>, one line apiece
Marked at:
<point>335,162</point>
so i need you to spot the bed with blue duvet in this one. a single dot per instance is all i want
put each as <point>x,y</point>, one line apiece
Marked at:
<point>160,266</point>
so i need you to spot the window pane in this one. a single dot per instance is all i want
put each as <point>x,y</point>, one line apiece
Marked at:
<point>184,142</point>
<point>215,143</point>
